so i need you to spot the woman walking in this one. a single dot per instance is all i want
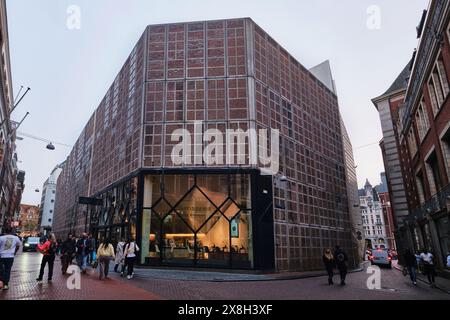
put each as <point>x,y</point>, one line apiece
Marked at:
<point>105,254</point>
<point>48,249</point>
<point>120,259</point>
<point>129,252</point>
<point>329,262</point>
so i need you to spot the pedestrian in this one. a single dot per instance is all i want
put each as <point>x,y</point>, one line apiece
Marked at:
<point>411,265</point>
<point>84,248</point>
<point>120,259</point>
<point>341,259</point>
<point>92,257</point>
<point>130,250</point>
<point>48,249</point>
<point>9,245</point>
<point>428,263</point>
<point>329,262</point>
<point>105,254</point>
<point>59,243</point>
<point>68,250</point>
<point>448,260</point>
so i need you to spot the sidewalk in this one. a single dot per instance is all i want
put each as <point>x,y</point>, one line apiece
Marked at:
<point>23,285</point>
<point>442,284</point>
<point>223,276</point>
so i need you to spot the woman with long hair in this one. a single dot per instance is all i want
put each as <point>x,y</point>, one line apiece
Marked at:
<point>48,249</point>
<point>129,251</point>
<point>105,253</point>
<point>328,260</point>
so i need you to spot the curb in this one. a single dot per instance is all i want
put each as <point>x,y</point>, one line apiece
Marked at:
<point>421,280</point>
<point>285,278</point>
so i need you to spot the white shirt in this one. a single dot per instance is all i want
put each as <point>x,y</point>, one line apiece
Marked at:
<point>427,257</point>
<point>8,244</point>
<point>130,250</point>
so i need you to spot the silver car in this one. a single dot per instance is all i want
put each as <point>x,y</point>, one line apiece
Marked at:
<point>381,257</point>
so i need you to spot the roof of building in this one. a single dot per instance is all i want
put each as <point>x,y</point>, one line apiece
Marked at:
<point>401,82</point>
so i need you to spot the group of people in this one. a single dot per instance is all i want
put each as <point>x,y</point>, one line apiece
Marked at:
<point>337,260</point>
<point>423,262</point>
<point>83,249</point>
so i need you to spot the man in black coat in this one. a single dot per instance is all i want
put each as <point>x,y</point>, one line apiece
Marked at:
<point>341,259</point>
<point>68,250</point>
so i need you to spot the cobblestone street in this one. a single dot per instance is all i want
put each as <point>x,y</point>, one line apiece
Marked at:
<point>152,284</point>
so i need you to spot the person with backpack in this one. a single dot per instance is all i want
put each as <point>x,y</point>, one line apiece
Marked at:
<point>130,250</point>
<point>48,249</point>
<point>341,262</point>
<point>120,259</point>
<point>105,254</point>
<point>329,262</point>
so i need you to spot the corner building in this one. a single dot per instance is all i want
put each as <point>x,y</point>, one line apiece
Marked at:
<point>229,74</point>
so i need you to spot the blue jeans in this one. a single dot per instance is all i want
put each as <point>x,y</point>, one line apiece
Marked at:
<point>412,273</point>
<point>7,264</point>
<point>82,261</point>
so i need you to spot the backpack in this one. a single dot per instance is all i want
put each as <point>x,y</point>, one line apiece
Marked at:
<point>340,257</point>
<point>52,249</point>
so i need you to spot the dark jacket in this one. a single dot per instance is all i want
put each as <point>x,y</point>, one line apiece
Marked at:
<point>68,247</point>
<point>329,263</point>
<point>81,245</point>
<point>410,259</point>
<point>341,258</point>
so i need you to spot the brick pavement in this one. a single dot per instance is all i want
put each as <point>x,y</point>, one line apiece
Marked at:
<point>23,285</point>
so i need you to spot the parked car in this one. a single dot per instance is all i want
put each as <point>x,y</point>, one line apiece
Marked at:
<point>30,244</point>
<point>381,257</point>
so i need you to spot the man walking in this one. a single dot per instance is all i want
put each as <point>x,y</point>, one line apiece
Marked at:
<point>341,262</point>
<point>428,263</point>
<point>68,250</point>
<point>84,248</point>
<point>9,245</point>
<point>411,265</point>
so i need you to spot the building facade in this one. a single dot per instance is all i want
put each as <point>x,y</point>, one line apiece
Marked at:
<point>48,200</point>
<point>385,201</point>
<point>8,155</point>
<point>421,122</point>
<point>28,221</point>
<point>373,218</point>
<point>204,79</point>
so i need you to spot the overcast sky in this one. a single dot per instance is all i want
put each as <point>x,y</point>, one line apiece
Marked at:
<point>69,71</point>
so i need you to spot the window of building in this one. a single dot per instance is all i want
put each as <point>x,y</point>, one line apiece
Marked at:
<point>420,187</point>
<point>445,145</point>
<point>438,86</point>
<point>422,122</point>
<point>412,143</point>
<point>433,173</point>
<point>52,201</point>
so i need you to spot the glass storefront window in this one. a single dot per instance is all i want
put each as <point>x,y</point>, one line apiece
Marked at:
<point>199,219</point>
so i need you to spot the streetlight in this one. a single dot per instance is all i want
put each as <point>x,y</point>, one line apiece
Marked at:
<point>50,146</point>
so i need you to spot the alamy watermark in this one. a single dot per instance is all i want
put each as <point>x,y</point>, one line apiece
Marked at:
<point>74,280</point>
<point>232,147</point>
<point>73,21</point>
<point>374,280</point>
<point>374,17</point>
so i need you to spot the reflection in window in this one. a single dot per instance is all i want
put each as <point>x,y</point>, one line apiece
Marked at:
<point>208,224</point>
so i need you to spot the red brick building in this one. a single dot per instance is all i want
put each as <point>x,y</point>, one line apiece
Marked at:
<point>419,115</point>
<point>227,75</point>
<point>28,220</point>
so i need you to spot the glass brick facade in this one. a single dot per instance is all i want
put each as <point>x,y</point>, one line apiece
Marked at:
<point>228,74</point>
